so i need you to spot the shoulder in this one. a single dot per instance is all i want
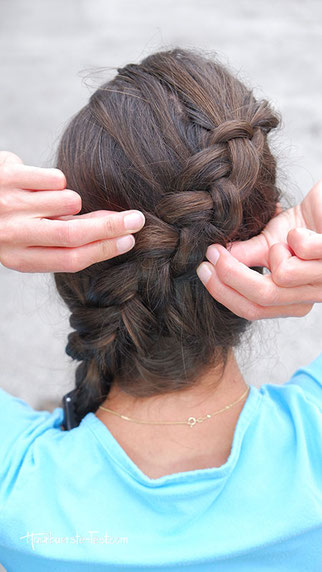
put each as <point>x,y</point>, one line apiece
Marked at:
<point>293,411</point>
<point>20,426</point>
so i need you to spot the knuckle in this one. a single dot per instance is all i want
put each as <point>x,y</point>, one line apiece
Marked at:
<point>302,248</point>
<point>6,259</point>
<point>5,202</point>
<point>111,225</point>
<point>61,179</point>
<point>65,234</point>
<point>71,262</point>
<point>308,309</point>
<point>267,294</point>
<point>252,313</point>
<point>105,249</point>
<point>72,200</point>
<point>6,172</point>
<point>7,233</point>
<point>9,156</point>
<point>62,234</point>
<point>57,172</point>
<point>303,310</point>
<point>13,261</point>
<point>225,271</point>
<point>299,243</point>
<point>282,276</point>
<point>20,265</point>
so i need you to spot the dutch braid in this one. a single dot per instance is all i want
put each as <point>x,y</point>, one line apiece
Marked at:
<point>186,143</point>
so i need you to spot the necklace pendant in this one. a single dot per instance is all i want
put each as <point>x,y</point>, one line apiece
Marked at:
<point>192,420</point>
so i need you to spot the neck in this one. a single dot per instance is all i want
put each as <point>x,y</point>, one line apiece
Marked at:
<point>210,390</point>
<point>179,447</point>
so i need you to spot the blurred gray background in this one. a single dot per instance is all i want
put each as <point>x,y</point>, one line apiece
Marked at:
<point>47,49</point>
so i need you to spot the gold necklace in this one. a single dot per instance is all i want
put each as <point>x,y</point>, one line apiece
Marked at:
<point>190,421</point>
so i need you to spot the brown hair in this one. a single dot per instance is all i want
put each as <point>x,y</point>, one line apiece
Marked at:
<point>181,139</point>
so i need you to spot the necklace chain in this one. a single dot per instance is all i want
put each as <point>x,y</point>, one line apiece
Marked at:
<point>190,421</point>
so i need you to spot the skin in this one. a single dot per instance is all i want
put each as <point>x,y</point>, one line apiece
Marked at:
<point>179,447</point>
<point>290,247</point>
<point>40,231</point>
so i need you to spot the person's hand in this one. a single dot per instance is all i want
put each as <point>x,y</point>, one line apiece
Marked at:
<point>38,229</point>
<point>290,247</point>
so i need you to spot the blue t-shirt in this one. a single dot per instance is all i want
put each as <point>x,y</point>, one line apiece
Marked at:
<point>74,500</point>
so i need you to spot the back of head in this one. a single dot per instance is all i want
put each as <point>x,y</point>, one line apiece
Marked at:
<point>185,142</point>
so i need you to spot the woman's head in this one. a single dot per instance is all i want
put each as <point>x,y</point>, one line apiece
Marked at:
<point>185,142</point>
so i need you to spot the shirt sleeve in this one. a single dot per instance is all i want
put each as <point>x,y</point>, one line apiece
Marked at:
<point>309,378</point>
<point>20,425</point>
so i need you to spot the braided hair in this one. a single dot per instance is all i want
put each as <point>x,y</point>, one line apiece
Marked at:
<point>181,139</point>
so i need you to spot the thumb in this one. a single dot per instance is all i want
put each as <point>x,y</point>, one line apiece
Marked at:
<point>252,252</point>
<point>8,157</point>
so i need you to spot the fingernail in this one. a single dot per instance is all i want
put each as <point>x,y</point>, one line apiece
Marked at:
<point>204,272</point>
<point>125,243</point>
<point>134,221</point>
<point>212,254</point>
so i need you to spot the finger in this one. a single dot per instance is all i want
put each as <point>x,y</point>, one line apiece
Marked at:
<point>305,243</point>
<point>279,209</point>
<point>7,157</point>
<point>43,203</point>
<point>243,307</point>
<point>290,271</point>
<point>258,288</point>
<point>92,214</point>
<point>74,232</point>
<point>252,252</point>
<point>38,259</point>
<point>31,178</point>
